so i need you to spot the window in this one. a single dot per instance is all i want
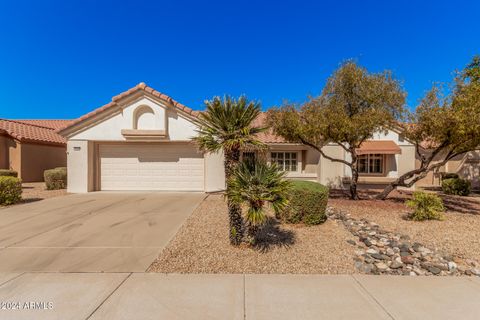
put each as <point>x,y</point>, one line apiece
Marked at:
<point>370,163</point>
<point>286,161</point>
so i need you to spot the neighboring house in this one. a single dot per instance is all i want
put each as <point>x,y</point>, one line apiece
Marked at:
<point>32,146</point>
<point>467,166</point>
<point>141,141</point>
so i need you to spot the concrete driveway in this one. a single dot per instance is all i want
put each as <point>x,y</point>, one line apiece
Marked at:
<point>110,232</point>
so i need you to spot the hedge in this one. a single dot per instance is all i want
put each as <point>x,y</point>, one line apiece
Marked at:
<point>8,173</point>
<point>55,178</point>
<point>307,203</point>
<point>456,186</point>
<point>10,190</point>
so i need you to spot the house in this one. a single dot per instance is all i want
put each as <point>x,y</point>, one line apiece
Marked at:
<point>141,141</point>
<point>32,146</point>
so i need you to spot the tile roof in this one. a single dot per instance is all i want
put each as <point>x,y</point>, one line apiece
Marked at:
<point>47,123</point>
<point>267,136</point>
<point>139,87</point>
<point>30,132</point>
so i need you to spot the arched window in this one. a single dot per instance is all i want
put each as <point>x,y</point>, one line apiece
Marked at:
<point>144,118</point>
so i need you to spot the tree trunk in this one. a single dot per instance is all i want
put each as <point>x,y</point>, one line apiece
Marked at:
<point>234,211</point>
<point>354,181</point>
<point>384,194</point>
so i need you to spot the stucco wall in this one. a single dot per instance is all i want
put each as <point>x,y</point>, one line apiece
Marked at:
<point>79,166</point>
<point>214,172</point>
<point>178,126</point>
<point>36,158</point>
<point>15,156</point>
<point>331,173</point>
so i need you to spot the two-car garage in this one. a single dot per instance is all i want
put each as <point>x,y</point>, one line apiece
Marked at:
<point>140,141</point>
<point>150,166</point>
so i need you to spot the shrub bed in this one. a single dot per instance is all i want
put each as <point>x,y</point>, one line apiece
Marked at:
<point>8,173</point>
<point>55,178</point>
<point>10,190</point>
<point>426,206</point>
<point>456,186</point>
<point>308,203</point>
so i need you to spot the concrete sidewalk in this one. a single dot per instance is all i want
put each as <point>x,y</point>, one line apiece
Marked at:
<point>174,296</point>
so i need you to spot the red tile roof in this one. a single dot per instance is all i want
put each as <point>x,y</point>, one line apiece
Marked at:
<point>29,132</point>
<point>139,87</point>
<point>47,123</point>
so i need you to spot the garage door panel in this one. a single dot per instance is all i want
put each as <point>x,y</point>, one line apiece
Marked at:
<point>151,167</point>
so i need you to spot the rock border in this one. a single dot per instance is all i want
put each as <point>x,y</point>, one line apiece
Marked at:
<point>379,251</point>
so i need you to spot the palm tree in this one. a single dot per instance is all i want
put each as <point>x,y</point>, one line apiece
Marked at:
<point>228,125</point>
<point>256,184</point>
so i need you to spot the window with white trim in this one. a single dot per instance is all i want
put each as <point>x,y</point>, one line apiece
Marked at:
<point>286,161</point>
<point>370,163</point>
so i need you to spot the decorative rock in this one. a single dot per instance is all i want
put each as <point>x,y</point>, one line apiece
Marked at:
<point>379,256</point>
<point>408,259</point>
<point>475,271</point>
<point>434,270</point>
<point>381,252</point>
<point>381,266</point>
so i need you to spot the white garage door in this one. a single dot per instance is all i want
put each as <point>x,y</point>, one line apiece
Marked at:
<point>175,167</point>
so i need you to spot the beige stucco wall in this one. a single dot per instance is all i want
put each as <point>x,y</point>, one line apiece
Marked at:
<point>214,172</point>
<point>331,173</point>
<point>36,158</point>
<point>15,155</point>
<point>179,127</point>
<point>80,166</point>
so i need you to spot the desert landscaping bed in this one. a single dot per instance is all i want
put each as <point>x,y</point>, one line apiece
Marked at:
<point>456,235</point>
<point>202,246</point>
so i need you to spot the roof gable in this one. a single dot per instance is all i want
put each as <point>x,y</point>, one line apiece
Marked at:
<point>118,101</point>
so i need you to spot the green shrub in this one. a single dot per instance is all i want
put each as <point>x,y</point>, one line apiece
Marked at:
<point>426,206</point>
<point>8,173</point>
<point>307,203</point>
<point>10,190</point>
<point>456,186</point>
<point>55,178</point>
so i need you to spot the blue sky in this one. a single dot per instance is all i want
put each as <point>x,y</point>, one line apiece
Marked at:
<point>61,59</point>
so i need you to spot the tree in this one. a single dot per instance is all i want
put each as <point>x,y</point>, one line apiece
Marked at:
<point>353,106</point>
<point>228,125</point>
<point>443,127</point>
<point>256,184</point>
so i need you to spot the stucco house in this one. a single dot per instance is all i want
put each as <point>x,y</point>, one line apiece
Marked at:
<point>32,146</point>
<point>141,141</point>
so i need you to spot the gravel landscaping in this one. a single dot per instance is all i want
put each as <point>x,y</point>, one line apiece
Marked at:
<point>366,236</point>
<point>202,246</point>
<point>457,235</point>
<point>34,191</point>
<point>383,252</point>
